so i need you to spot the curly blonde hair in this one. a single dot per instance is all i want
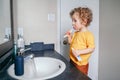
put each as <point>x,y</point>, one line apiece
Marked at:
<point>85,14</point>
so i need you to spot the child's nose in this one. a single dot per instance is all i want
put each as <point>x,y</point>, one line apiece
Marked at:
<point>73,23</point>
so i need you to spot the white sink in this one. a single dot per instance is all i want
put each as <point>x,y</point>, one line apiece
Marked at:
<point>40,68</point>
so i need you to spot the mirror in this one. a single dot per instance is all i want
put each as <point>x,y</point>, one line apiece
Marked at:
<point>6,26</point>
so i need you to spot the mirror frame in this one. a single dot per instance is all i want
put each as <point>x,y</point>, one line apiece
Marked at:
<point>7,46</point>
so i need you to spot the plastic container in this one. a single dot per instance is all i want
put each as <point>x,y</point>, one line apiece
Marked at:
<point>19,65</point>
<point>21,44</point>
<point>78,57</point>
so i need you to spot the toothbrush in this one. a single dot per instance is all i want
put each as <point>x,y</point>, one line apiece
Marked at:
<point>71,30</point>
<point>78,57</point>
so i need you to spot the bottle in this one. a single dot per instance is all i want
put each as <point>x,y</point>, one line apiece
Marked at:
<point>15,50</point>
<point>20,42</point>
<point>6,38</point>
<point>19,65</point>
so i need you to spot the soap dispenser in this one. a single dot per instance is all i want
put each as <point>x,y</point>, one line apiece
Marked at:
<point>19,65</point>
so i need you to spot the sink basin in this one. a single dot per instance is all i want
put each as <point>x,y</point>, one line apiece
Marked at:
<point>39,68</point>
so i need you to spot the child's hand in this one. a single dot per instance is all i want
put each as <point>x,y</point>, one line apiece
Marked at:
<point>76,54</point>
<point>68,33</point>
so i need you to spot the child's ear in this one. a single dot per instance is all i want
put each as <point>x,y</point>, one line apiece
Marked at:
<point>84,22</point>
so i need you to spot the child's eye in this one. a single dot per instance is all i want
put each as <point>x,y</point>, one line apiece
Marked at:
<point>74,20</point>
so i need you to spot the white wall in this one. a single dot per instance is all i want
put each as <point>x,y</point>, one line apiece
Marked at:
<point>32,16</point>
<point>109,57</point>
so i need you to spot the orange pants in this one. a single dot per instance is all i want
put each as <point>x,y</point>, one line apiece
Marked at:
<point>83,68</point>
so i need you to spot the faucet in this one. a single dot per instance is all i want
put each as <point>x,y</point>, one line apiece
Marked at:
<point>21,52</point>
<point>30,56</point>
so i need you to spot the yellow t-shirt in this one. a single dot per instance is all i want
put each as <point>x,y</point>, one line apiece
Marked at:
<point>81,40</point>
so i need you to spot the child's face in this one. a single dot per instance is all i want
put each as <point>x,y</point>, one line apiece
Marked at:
<point>76,22</point>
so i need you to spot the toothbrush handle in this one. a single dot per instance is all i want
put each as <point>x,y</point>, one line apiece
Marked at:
<point>65,36</point>
<point>79,58</point>
<point>70,31</point>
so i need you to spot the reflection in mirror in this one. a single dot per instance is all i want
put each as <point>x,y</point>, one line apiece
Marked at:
<point>6,32</point>
<point>5,21</point>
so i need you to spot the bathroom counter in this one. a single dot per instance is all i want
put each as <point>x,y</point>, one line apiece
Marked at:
<point>70,73</point>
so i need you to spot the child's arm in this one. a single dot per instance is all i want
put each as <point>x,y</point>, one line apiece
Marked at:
<point>84,51</point>
<point>78,57</point>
